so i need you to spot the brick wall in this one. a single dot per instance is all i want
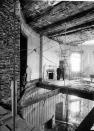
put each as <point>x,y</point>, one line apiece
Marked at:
<point>9,35</point>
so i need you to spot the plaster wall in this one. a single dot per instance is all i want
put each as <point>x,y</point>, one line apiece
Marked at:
<point>9,43</point>
<point>33,55</point>
<point>33,52</point>
<point>50,56</point>
<point>50,51</point>
<point>88,60</point>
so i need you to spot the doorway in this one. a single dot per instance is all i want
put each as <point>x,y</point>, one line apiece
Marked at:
<point>23,60</point>
<point>59,111</point>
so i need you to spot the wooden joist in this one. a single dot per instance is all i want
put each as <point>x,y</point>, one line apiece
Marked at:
<point>80,92</point>
<point>54,90</point>
<point>78,28</point>
<point>78,21</point>
<point>41,15</point>
<point>67,19</point>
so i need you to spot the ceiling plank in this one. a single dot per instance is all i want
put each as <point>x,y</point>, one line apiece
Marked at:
<point>73,43</point>
<point>89,28</point>
<point>47,11</point>
<point>63,11</point>
<point>88,17</point>
<point>68,19</point>
<point>81,36</point>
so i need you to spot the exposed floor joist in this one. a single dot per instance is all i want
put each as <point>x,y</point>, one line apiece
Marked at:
<point>69,18</point>
<point>70,90</point>
<point>54,90</point>
<point>77,37</point>
<point>78,28</point>
<point>71,24</point>
<point>52,20</point>
<point>47,11</point>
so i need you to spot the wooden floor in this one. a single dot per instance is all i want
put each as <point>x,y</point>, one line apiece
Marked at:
<point>82,84</point>
<point>6,121</point>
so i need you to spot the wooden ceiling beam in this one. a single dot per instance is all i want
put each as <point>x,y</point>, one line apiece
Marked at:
<point>68,19</point>
<point>74,29</point>
<point>73,43</point>
<point>32,20</point>
<point>87,18</point>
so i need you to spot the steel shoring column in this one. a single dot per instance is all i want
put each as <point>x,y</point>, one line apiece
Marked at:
<point>41,54</point>
<point>66,101</point>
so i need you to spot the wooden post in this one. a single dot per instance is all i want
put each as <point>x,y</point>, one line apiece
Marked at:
<point>41,55</point>
<point>14,100</point>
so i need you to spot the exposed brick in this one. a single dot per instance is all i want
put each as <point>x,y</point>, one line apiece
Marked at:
<point>9,33</point>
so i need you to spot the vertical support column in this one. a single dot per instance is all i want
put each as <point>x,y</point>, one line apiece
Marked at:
<point>41,55</point>
<point>67,112</point>
<point>12,97</point>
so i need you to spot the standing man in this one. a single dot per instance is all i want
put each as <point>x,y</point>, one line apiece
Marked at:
<point>58,73</point>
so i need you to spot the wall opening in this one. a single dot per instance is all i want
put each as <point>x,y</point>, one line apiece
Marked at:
<point>75,62</point>
<point>23,60</point>
<point>59,111</point>
<point>51,75</point>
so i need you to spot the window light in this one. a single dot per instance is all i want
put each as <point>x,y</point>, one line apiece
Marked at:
<point>75,61</point>
<point>90,42</point>
<point>75,107</point>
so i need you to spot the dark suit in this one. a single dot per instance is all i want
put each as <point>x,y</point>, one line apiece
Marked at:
<point>58,73</point>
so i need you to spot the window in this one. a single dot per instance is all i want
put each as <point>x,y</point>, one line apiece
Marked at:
<point>75,107</point>
<point>75,62</point>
